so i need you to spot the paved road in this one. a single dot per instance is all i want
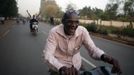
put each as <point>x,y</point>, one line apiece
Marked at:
<point>21,52</point>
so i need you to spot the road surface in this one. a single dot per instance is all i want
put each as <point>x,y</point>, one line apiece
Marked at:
<point>21,52</point>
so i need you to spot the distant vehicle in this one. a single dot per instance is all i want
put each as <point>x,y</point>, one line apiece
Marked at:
<point>2,20</point>
<point>17,20</point>
<point>24,21</point>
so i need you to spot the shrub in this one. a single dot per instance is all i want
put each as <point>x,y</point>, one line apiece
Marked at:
<point>92,27</point>
<point>57,22</point>
<point>114,30</point>
<point>103,31</point>
<point>128,32</point>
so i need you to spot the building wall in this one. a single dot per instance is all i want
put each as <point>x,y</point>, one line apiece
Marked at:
<point>108,23</point>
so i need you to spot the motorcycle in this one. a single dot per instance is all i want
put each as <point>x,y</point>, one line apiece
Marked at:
<point>35,27</point>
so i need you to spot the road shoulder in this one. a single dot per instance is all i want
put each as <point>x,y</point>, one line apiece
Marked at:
<point>5,28</point>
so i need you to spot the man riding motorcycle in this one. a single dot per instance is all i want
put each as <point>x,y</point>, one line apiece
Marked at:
<point>32,21</point>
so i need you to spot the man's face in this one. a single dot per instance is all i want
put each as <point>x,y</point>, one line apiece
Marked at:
<point>71,25</point>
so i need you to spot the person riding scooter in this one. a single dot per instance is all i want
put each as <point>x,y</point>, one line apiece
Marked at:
<point>32,21</point>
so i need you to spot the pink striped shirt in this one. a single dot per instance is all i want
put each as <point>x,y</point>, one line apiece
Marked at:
<point>61,50</point>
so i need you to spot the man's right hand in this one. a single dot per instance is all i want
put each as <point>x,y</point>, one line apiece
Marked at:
<point>68,71</point>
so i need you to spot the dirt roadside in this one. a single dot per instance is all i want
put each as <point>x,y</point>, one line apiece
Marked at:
<point>117,39</point>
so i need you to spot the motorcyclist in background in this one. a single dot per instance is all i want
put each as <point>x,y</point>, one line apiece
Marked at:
<point>32,21</point>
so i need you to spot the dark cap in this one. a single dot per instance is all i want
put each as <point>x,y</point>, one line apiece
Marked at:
<point>68,14</point>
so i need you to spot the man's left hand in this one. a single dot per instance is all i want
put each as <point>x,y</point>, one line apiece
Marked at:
<point>114,62</point>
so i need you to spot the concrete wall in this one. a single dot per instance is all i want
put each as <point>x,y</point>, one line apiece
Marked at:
<point>105,23</point>
<point>108,23</point>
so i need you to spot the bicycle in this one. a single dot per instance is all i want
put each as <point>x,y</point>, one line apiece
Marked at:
<point>101,70</point>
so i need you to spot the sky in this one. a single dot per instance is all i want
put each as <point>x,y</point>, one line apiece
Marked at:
<point>33,6</point>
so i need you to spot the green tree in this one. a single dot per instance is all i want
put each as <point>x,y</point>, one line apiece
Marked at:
<point>83,12</point>
<point>111,11</point>
<point>71,6</point>
<point>129,11</point>
<point>98,12</point>
<point>8,8</point>
<point>87,12</point>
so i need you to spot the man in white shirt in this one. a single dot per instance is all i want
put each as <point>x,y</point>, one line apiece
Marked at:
<point>63,43</point>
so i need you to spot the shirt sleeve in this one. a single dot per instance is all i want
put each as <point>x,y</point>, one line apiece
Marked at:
<point>50,50</point>
<point>93,51</point>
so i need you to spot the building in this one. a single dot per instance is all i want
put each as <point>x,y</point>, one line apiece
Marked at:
<point>44,4</point>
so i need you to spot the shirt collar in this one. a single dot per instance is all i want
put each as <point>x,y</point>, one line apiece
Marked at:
<point>60,31</point>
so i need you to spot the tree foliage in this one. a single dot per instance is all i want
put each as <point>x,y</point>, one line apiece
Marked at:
<point>51,9</point>
<point>8,8</point>
<point>111,11</point>
<point>71,6</point>
<point>129,10</point>
<point>89,13</point>
<point>115,10</point>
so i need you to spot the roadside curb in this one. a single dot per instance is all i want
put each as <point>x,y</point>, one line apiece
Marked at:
<point>116,39</point>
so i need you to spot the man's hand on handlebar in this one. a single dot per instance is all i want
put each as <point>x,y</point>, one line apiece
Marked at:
<point>68,71</point>
<point>114,62</point>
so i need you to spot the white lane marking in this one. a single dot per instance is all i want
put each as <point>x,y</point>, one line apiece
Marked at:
<point>44,32</point>
<point>4,34</point>
<point>88,62</point>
